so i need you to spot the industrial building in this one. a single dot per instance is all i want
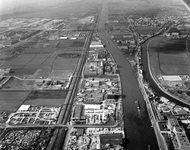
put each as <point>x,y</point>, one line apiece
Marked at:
<point>93,68</point>
<point>96,44</point>
<point>178,136</point>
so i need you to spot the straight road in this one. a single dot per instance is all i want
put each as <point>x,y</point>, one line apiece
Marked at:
<point>137,124</point>
<point>64,115</point>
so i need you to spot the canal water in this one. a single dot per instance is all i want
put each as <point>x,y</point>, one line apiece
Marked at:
<point>138,130</point>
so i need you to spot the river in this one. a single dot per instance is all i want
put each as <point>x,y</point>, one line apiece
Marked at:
<point>139,133</point>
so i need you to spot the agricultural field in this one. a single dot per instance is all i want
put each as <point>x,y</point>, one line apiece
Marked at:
<point>40,63</point>
<point>174,57</point>
<point>47,44</point>
<point>26,61</point>
<point>47,94</point>
<point>60,74</point>
<point>44,101</point>
<point>15,84</point>
<point>121,34</point>
<point>64,44</point>
<point>59,79</point>
<point>11,100</point>
<point>144,30</point>
<point>169,56</point>
<point>65,64</point>
<point>174,65</point>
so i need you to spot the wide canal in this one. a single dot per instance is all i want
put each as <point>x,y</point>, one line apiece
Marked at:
<point>139,132</point>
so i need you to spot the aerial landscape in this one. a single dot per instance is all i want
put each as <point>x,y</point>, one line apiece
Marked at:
<point>94,75</point>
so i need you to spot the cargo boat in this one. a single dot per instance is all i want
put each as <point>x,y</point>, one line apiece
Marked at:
<point>138,105</point>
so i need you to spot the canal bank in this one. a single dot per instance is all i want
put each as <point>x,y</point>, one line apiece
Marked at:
<point>149,79</point>
<point>139,133</point>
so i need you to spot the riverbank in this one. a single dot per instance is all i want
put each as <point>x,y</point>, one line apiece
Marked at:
<point>139,132</point>
<point>147,73</point>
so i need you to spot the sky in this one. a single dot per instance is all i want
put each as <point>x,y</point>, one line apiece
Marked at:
<point>12,6</point>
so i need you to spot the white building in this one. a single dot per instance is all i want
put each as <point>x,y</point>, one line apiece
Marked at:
<point>94,106</point>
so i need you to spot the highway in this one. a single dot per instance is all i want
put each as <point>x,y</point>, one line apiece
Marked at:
<point>137,127</point>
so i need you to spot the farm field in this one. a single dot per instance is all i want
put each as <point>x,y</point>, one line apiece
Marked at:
<point>64,44</point>
<point>15,84</point>
<point>44,102</point>
<point>40,63</point>
<point>144,30</point>
<point>121,34</point>
<point>65,64</point>
<point>169,56</point>
<point>174,65</point>
<point>61,74</point>
<point>173,57</point>
<point>47,94</point>
<point>11,100</point>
